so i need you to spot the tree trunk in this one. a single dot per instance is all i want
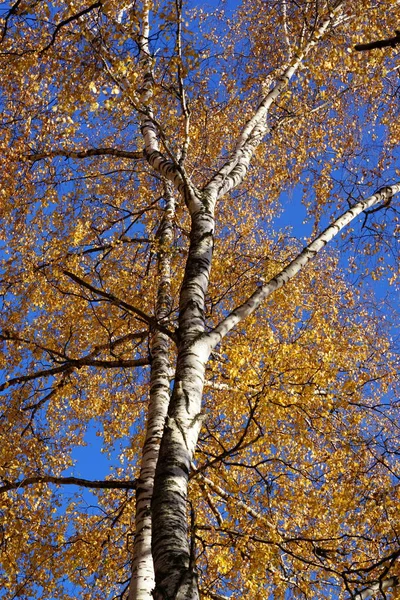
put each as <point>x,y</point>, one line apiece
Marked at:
<point>173,561</point>
<point>142,581</point>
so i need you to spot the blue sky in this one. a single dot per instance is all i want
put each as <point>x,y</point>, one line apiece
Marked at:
<point>91,463</point>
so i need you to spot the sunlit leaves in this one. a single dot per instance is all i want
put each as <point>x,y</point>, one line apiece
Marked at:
<point>295,476</point>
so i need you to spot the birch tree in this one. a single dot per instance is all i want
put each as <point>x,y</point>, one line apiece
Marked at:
<point>242,380</point>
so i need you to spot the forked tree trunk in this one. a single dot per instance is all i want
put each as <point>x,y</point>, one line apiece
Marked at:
<point>174,565</point>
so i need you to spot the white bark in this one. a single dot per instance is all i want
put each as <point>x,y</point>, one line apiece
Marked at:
<point>166,167</point>
<point>252,303</point>
<point>174,568</point>
<point>234,170</point>
<point>142,580</point>
<point>175,574</point>
<point>379,586</point>
<point>151,528</point>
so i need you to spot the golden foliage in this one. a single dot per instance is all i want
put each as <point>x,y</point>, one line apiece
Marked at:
<point>295,482</point>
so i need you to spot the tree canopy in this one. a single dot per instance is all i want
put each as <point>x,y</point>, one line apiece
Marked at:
<point>158,290</point>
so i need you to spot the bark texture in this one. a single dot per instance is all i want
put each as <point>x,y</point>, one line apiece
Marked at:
<point>142,581</point>
<point>174,565</point>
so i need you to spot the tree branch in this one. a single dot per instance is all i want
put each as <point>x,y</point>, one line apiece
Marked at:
<point>253,302</point>
<point>138,155</point>
<point>76,363</point>
<point>379,586</point>
<point>36,375</point>
<point>65,22</point>
<point>110,484</point>
<point>151,321</point>
<point>234,170</point>
<point>387,43</point>
<point>69,364</point>
<point>217,489</point>
<point>12,11</point>
<point>110,364</point>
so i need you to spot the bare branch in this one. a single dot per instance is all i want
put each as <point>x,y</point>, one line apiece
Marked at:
<point>217,489</point>
<point>13,10</point>
<point>387,43</point>
<point>110,364</point>
<point>138,155</point>
<point>122,304</point>
<point>109,484</point>
<point>69,363</point>
<point>36,375</point>
<point>65,22</point>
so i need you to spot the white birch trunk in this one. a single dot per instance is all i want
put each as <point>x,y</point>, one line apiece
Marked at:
<point>174,565</point>
<point>142,580</point>
<point>187,382</point>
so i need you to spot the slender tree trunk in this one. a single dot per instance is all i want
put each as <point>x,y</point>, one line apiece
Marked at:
<point>142,582</point>
<point>174,565</point>
<point>382,196</point>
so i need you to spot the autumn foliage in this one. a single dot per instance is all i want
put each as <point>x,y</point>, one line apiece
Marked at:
<point>158,291</point>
